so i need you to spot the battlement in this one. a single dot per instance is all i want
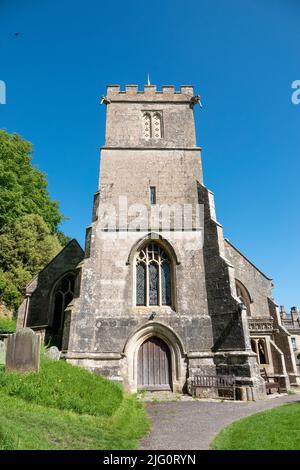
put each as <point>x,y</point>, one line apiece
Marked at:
<point>150,93</point>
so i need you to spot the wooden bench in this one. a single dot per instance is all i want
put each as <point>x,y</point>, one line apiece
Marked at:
<point>273,385</point>
<point>224,385</point>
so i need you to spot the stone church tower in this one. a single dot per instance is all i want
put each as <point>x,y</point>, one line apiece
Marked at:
<point>152,307</point>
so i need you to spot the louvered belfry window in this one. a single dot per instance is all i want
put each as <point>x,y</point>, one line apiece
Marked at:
<point>147,130</point>
<point>153,277</point>
<point>152,125</point>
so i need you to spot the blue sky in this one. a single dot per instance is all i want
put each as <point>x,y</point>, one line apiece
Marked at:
<point>242,57</point>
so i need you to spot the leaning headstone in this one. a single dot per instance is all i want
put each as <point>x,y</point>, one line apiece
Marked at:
<point>53,353</point>
<point>23,351</point>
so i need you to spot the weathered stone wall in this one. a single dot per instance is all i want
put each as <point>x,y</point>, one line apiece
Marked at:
<point>124,117</point>
<point>228,327</point>
<point>258,284</point>
<point>38,292</point>
<point>204,317</point>
<point>108,278</point>
<point>282,340</point>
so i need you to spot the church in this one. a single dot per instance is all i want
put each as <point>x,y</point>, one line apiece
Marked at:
<point>158,296</point>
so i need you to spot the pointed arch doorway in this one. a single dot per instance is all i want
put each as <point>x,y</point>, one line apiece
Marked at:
<point>154,365</point>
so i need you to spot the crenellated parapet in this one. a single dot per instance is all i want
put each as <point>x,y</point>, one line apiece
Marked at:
<point>149,93</point>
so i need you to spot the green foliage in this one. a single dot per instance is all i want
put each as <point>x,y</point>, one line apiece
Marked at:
<point>8,440</point>
<point>27,242</point>
<point>23,187</point>
<point>29,219</point>
<point>63,239</point>
<point>9,292</point>
<point>63,386</point>
<point>27,245</point>
<point>276,429</point>
<point>7,325</point>
<point>85,411</point>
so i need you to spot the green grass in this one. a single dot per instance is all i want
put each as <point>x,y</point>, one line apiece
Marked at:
<point>59,385</point>
<point>276,429</point>
<point>7,325</point>
<point>66,407</point>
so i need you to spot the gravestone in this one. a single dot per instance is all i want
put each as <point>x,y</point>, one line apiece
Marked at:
<point>23,351</point>
<point>2,352</point>
<point>53,353</point>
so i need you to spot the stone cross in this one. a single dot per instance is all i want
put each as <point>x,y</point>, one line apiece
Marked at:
<point>23,351</point>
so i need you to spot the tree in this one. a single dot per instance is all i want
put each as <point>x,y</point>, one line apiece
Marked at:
<point>27,245</point>
<point>62,238</point>
<point>23,188</point>
<point>29,219</point>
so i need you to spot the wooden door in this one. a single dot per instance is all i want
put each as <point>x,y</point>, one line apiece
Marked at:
<point>154,365</point>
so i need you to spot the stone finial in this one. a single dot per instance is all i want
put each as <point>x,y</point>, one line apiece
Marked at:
<point>282,311</point>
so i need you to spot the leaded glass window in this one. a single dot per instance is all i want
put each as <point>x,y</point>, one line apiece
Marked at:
<point>153,277</point>
<point>141,284</point>
<point>165,283</point>
<point>153,283</point>
<point>63,294</point>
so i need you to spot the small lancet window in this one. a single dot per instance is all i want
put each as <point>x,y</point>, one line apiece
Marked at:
<point>157,126</point>
<point>152,195</point>
<point>141,284</point>
<point>147,128</point>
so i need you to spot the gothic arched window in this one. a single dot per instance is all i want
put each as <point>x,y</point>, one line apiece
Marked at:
<point>147,128</point>
<point>153,277</point>
<point>152,125</point>
<point>62,296</point>
<point>244,296</point>
<point>157,126</point>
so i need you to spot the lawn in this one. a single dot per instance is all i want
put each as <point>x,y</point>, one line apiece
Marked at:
<point>276,429</point>
<point>66,407</point>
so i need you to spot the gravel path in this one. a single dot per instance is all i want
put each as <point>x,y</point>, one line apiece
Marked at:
<point>192,425</point>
